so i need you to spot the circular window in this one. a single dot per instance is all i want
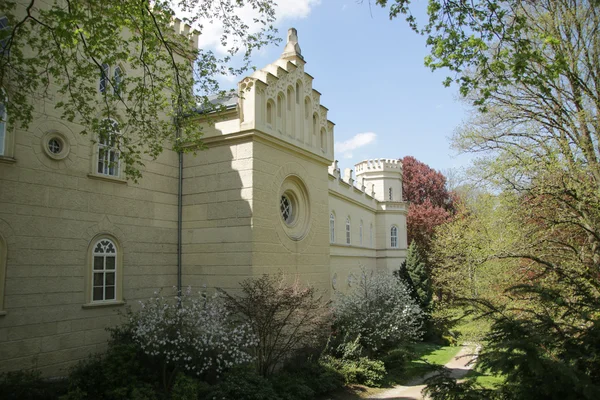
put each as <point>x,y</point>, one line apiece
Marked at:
<point>294,207</point>
<point>287,209</point>
<point>55,145</point>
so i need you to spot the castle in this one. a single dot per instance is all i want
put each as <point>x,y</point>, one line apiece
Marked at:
<point>78,241</point>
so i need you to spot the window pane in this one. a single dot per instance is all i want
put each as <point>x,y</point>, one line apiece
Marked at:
<point>110,279</point>
<point>110,263</point>
<point>98,279</point>
<point>110,293</point>
<point>98,262</point>
<point>98,293</point>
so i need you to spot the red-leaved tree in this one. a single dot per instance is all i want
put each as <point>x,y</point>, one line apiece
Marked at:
<point>431,204</point>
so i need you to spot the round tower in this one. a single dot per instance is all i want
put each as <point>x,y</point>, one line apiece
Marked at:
<point>384,176</point>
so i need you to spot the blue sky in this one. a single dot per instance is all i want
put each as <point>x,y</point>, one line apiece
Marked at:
<point>372,78</point>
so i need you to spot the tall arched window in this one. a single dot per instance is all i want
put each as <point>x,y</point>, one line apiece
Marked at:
<point>289,98</point>
<point>306,108</point>
<point>348,230</point>
<point>280,112</point>
<point>360,233</point>
<point>331,228</point>
<point>104,270</point>
<point>315,128</point>
<point>105,73</point>
<point>108,148</point>
<point>394,237</point>
<point>390,194</point>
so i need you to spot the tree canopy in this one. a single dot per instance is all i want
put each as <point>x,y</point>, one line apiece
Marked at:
<point>56,51</point>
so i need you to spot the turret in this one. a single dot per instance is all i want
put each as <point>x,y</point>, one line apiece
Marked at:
<point>385,175</point>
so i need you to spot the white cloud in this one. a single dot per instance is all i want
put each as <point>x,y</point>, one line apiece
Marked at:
<point>285,11</point>
<point>357,141</point>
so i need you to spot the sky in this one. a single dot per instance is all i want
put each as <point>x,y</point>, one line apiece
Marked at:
<point>372,78</point>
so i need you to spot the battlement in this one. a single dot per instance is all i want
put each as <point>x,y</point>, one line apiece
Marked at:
<point>379,165</point>
<point>186,30</point>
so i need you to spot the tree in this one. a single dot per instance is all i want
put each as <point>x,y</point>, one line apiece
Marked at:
<point>418,273</point>
<point>430,202</point>
<point>58,51</point>
<point>530,69</point>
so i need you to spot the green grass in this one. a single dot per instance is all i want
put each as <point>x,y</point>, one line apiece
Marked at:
<point>426,357</point>
<point>486,380</point>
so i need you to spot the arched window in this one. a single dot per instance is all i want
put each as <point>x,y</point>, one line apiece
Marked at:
<point>331,228</point>
<point>104,270</point>
<point>394,237</point>
<point>280,112</point>
<point>390,194</point>
<point>360,233</point>
<point>105,73</point>
<point>3,122</point>
<point>315,129</point>
<point>348,230</point>
<point>270,112</point>
<point>108,148</point>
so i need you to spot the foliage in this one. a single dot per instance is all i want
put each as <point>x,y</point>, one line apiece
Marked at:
<point>29,385</point>
<point>431,204</point>
<point>285,317</point>
<point>124,372</point>
<point>419,277</point>
<point>243,384</point>
<point>379,313</point>
<point>194,334</point>
<point>61,46</point>
<point>362,370</point>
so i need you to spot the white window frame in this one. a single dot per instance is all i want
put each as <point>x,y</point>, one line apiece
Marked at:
<point>348,231</point>
<point>394,237</point>
<point>331,228</point>
<point>109,160</point>
<point>104,253</point>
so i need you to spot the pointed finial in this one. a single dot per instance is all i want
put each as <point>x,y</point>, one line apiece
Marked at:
<point>292,48</point>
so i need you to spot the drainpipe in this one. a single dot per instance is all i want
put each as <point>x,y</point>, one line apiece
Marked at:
<point>179,201</point>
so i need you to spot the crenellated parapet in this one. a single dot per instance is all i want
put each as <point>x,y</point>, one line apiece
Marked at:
<point>279,100</point>
<point>181,28</point>
<point>379,165</point>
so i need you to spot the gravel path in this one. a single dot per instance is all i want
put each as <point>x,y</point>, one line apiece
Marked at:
<point>459,367</point>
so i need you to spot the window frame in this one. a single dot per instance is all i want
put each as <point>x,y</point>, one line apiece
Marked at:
<point>348,231</point>
<point>90,272</point>
<point>109,149</point>
<point>394,237</point>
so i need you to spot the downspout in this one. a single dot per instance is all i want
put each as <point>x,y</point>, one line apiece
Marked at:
<point>179,201</point>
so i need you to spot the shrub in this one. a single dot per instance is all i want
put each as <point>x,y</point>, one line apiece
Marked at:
<point>286,318</point>
<point>379,312</point>
<point>192,334</point>
<point>318,377</point>
<point>243,384</point>
<point>362,371</point>
<point>396,359</point>
<point>29,385</point>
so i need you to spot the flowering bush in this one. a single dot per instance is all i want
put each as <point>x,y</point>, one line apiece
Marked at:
<point>195,334</point>
<point>379,313</point>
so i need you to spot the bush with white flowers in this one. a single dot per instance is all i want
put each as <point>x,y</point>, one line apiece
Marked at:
<point>195,334</point>
<point>379,312</point>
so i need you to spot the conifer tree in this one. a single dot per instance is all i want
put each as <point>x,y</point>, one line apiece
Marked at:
<point>417,272</point>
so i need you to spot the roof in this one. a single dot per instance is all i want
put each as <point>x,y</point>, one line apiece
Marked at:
<point>228,101</point>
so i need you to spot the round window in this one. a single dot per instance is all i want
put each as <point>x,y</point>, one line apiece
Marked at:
<point>55,146</point>
<point>287,209</point>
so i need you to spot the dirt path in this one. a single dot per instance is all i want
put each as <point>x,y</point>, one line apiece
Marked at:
<point>459,367</point>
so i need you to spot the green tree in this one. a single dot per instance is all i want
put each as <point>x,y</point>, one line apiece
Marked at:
<point>530,69</point>
<point>418,274</point>
<point>56,51</point>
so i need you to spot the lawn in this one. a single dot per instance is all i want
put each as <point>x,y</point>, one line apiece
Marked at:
<point>486,380</point>
<point>425,357</point>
